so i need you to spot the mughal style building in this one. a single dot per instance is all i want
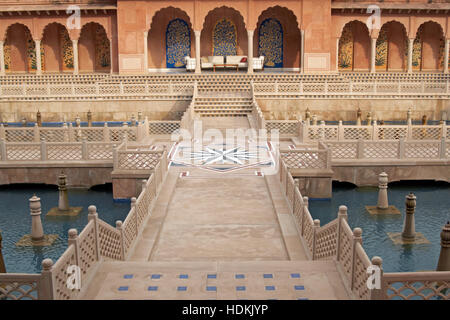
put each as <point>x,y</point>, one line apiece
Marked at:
<point>135,37</point>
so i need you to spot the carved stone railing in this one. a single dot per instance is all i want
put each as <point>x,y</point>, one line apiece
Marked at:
<point>95,91</point>
<point>68,276</point>
<point>127,157</point>
<point>57,151</point>
<point>337,241</point>
<point>342,132</point>
<point>390,149</point>
<point>353,89</point>
<point>311,158</point>
<point>69,133</point>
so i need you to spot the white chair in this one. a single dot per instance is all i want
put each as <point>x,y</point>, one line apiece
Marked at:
<point>190,63</point>
<point>210,61</point>
<point>258,63</point>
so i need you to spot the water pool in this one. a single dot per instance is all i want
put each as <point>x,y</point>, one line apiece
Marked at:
<point>15,221</point>
<point>432,212</point>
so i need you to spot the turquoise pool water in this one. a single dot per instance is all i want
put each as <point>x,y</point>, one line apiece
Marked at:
<point>15,221</point>
<point>432,212</point>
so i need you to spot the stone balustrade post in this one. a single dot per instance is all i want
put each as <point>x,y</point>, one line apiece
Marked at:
<point>46,288</point>
<point>443,148</point>
<point>409,117</point>
<point>106,133</point>
<point>316,227</point>
<point>71,133</point>
<point>122,243</point>
<point>36,133</point>
<point>360,149</point>
<point>374,130</point>
<point>305,207</point>
<point>340,131</point>
<point>4,155</point>
<point>409,131</point>
<point>43,150</point>
<point>93,215</point>
<point>401,148</point>
<point>133,205</point>
<point>2,131</point>
<point>73,240</point>
<point>357,238</point>
<point>115,158</point>
<point>444,129</point>
<point>342,215</point>
<point>377,293</point>
<point>322,132</point>
<point>84,149</point>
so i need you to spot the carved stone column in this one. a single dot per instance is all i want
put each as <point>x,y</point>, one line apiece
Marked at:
<point>75,56</point>
<point>373,54</point>
<point>2,58</point>
<point>250,51</point>
<point>447,45</point>
<point>38,56</point>
<point>197,51</point>
<point>146,51</point>
<point>410,54</point>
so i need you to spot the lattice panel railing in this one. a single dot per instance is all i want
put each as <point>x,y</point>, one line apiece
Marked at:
<point>130,229</point>
<point>137,160</point>
<point>87,254</point>
<point>110,241</point>
<point>305,159</point>
<point>90,134</point>
<point>345,249</point>
<point>19,286</point>
<point>101,151</point>
<point>19,135</point>
<point>118,134</point>
<point>426,133</point>
<point>64,151</point>
<point>447,149</point>
<point>163,127</point>
<point>392,133</point>
<point>53,135</point>
<point>343,150</point>
<point>381,150</point>
<point>23,152</point>
<point>360,275</point>
<point>416,285</point>
<point>60,275</point>
<point>358,133</point>
<point>284,127</point>
<point>326,238</point>
<point>308,229</point>
<point>422,149</point>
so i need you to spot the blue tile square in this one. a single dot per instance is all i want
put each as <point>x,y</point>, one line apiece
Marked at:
<point>268,276</point>
<point>295,275</point>
<point>240,288</point>
<point>302,299</point>
<point>211,288</point>
<point>181,288</point>
<point>152,288</point>
<point>123,288</point>
<point>270,288</point>
<point>156,276</point>
<point>128,276</point>
<point>212,276</point>
<point>184,276</point>
<point>299,287</point>
<point>239,276</point>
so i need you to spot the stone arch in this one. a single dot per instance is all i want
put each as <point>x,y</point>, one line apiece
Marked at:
<point>57,48</point>
<point>392,47</point>
<point>94,49</point>
<point>19,49</point>
<point>157,53</point>
<point>354,47</point>
<point>428,48</point>
<point>229,8</point>
<point>209,25</point>
<point>287,9</point>
<point>291,34</point>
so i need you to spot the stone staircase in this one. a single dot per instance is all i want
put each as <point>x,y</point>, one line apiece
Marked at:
<point>222,97</point>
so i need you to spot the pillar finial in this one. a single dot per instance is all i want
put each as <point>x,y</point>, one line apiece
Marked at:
<point>444,256</point>
<point>409,229</point>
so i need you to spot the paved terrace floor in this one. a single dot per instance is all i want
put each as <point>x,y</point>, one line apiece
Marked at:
<point>214,235</point>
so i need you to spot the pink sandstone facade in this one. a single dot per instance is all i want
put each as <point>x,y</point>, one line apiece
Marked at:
<point>129,36</point>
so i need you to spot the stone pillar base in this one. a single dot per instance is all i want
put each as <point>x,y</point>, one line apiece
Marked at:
<point>26,241</point>
<point>375,210</point>
<point>72,212</point>
<point>396,238</point>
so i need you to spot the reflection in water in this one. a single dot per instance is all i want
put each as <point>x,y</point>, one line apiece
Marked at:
<point>432,212</point>
<point>15,221</point>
